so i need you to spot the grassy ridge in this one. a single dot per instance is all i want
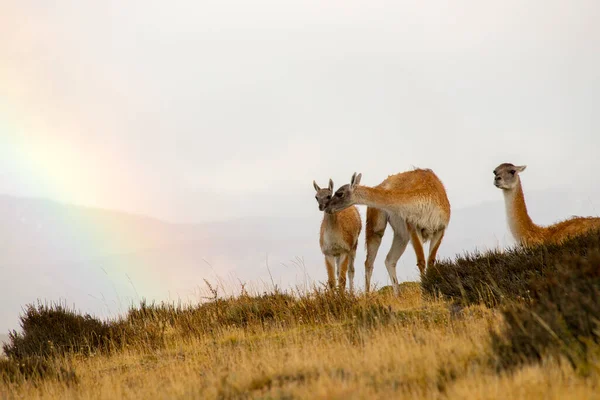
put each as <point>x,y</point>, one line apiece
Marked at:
<point>54,330</point>
<point>520,324</point>
<point>496,277</point>
<point>318,345</point>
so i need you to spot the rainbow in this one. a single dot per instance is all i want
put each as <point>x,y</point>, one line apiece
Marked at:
<point>56,145</point>
<point>37,161</point>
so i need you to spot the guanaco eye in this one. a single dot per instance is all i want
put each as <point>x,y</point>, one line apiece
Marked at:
<point>339,194</point>
<point>512,171</point>
<point>328,197</point>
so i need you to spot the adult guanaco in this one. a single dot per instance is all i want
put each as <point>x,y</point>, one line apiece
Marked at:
<point>414,203</point>
<point>523,229</point>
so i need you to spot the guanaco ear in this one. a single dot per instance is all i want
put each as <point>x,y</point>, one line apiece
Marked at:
<point>317,188</point>
<point>330,185</point>
<point>355,180</point>
<point>521,168</point>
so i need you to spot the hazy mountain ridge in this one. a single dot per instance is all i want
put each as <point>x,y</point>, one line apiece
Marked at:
<point>103,260</point>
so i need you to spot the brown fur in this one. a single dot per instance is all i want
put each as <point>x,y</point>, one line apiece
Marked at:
<point>416,186</point>
<point>524,230</point>
<point>344,228</point>
<point>347,222</point>
<point>338,238</point>
<point>414,202</point>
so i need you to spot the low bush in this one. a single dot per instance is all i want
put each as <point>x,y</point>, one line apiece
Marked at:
<point>50,330</point>
<point>562,319</point>
<point>499,277</point>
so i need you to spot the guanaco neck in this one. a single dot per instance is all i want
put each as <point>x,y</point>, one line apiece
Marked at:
<point>329,219</point>
<point>378,198</point>
<point>521,226</point>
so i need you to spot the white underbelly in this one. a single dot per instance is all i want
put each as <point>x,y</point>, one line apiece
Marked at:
<point>333,244</point>
<point>428,218</point>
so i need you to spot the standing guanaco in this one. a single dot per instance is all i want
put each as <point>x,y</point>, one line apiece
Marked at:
<point>413,202</point>
<point>338,238</point>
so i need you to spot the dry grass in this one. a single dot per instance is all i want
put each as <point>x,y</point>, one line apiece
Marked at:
<point>418,349</point>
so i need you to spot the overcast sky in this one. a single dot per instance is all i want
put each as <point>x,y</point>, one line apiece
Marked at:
<point>202,110</point>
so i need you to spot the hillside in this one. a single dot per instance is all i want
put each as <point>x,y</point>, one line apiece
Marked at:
<point>328,345</point>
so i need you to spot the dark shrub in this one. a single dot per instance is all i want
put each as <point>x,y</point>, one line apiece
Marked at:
<point>563,317</point>
<point>50,330</point>
<point>496,277</point>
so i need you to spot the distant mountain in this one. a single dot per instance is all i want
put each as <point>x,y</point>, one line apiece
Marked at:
<point>101,261</point>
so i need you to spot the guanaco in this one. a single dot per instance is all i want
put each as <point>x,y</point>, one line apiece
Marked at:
<point>523,229</point>
<point>414,203</point>
<point>338,239</point>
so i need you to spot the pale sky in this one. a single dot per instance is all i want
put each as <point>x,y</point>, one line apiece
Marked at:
<point>207,110</point>
<point>223,110</point>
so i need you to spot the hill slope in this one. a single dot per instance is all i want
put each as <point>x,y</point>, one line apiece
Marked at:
<point>330,345</point>
<point>104,260</point>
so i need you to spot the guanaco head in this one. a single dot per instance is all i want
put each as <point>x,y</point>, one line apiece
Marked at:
<point>344,196</point>
<point>323,195</point>
<point>506,176</point>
